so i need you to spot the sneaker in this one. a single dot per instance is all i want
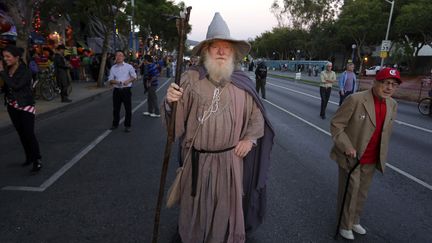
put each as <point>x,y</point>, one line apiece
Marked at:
<point>146,113</point>
<point>347,234</point>
<point>359,229</point>
<point>127,129</point>
<point>36,166</point>
<point>113,127</point>
<point>154,115</point>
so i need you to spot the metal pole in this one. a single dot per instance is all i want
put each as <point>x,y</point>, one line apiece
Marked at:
<point>133,29</point>
<point>388,25</point>
<point>114,37</point>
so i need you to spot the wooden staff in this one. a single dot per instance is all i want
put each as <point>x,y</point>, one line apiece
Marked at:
<point>181,23</point>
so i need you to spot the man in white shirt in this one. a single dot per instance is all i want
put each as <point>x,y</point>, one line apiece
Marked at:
<point>121,77</point>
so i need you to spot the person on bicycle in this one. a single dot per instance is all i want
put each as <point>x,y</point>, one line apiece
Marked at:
<point>361,129</point>
<point>61,69</point>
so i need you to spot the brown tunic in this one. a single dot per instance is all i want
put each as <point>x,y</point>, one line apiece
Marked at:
<point>215,214</point>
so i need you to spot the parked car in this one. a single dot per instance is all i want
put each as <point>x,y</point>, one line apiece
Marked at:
<point>372,71</point>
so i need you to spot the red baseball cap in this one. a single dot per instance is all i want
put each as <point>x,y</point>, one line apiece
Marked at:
<point>386,73</point>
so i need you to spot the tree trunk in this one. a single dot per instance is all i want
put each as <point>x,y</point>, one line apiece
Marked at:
<point>103,59</point>
<point>360,59</point>
<point>21,12</point>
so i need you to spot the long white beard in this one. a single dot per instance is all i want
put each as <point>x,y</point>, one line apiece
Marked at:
<point>219,71</point>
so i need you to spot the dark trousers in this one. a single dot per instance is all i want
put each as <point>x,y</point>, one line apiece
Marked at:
<point>260,84</point>
<point>120,96</point>
<point>152,100</point>
<point>325,96</point>
<point>342,97</point>
<point>24,124</point>
<point>168,72</point>
<point>64,85</point>
<point>75,74</point>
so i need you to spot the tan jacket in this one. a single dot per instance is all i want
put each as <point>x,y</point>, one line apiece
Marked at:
<point>353,125</point>
<point>325,75</point>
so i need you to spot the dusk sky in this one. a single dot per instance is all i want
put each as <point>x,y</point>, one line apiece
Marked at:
<point>245,18</point>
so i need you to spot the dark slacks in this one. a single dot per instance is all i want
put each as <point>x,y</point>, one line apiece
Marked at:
<point>325,96</point>
<point>63,83</point>
<point>260,85</point>
<point>24,124</point>
<point>342,97</point>
<point>358,188</point>
<point>120,96</point>
<point>152,100</point>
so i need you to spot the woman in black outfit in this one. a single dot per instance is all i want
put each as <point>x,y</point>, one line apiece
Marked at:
<point>20,102</point>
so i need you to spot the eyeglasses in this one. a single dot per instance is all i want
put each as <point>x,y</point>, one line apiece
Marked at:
<point>389,83</point>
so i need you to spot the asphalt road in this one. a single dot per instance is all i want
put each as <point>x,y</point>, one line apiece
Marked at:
<point>101,186</point>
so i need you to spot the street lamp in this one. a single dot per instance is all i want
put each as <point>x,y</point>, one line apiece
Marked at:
<point>353,52</point>
<point>298,54</point>
<point>388,25</point>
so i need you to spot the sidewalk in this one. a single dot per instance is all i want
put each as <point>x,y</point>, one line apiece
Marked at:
<point>304,76</point>
<point>409,90</point>
<point>82,93</point>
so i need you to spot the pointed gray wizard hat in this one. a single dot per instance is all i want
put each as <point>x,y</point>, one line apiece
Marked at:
<point>218,30</point>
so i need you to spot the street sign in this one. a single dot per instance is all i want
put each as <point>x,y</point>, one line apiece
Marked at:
<point>385,45</point>
<point>383,54</point>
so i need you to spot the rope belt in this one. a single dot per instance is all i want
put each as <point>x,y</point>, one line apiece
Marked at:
<point>195,159</point>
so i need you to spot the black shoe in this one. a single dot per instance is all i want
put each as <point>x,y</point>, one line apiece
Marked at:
<point>113,127</point>
<point>27,163</point>
<point>66,100</point>
<point>323,117</point>
<point>127,129</point>
<point>36,166</point>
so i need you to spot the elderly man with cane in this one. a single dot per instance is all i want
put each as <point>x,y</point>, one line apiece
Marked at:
<point>361,130</point>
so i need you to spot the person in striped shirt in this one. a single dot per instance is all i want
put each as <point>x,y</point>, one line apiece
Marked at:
<point>20,102</point>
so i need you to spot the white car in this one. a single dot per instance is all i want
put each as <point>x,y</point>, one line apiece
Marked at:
<point>372,71</point>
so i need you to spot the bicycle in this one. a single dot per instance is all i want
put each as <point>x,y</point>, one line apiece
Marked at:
<point>46,85</point>
<point>425,105</point>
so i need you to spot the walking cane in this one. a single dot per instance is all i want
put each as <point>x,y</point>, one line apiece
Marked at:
<point>181,23</point>
<point>344,196</point>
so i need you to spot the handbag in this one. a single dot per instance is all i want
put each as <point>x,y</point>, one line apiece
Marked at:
<point>174,192</point>
<point>173,196</point>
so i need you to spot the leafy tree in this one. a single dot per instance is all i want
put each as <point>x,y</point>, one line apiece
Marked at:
<point>106,11</point>
<point>413,28</point>
<point>364,22</point>
<point>153,18</point>
<point>21,11</point>
<point>281,43</point>
<point>306,13</point>
<point>323,42</point>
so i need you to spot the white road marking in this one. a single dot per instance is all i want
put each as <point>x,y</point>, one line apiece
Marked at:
<point>336,103</point>
<point>75,159</point>
<point>409,176</point>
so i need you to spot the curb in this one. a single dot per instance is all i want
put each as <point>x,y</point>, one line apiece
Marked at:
<point>10,128</point>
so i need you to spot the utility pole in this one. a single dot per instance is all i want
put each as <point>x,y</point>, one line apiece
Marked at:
<point>388,27</point>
